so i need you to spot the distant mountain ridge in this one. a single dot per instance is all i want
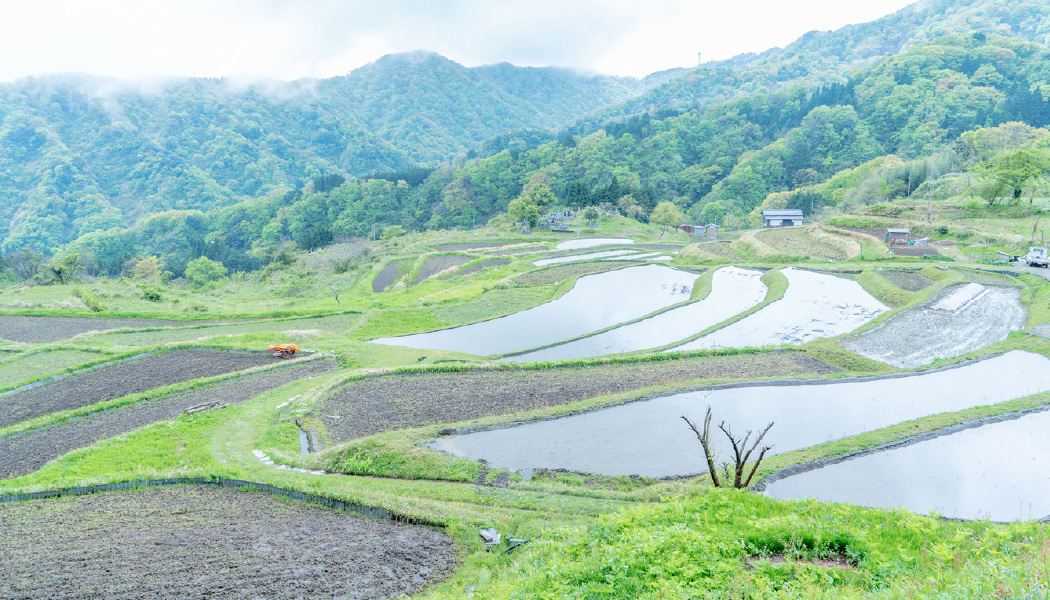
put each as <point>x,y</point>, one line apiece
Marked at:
<point>80,153</point>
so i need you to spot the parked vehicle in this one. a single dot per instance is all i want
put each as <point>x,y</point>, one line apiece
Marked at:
<point>1036,257</point>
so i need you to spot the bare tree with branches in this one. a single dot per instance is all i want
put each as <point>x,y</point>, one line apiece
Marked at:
<point>741,452</point>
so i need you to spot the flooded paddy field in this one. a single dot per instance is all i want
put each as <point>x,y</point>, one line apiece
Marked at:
<point>571,258</point>
<point>401,401</point>
<point>815,305</point>
<point>592,242</point>
<point>206,541</point>
<point>594,303</point>
<point>997,471</point>
<point>120,379</point>
<point>649,438</point>
<point>961,319</point>
<point>733,291</point>
<point>26,452</point>
<point>42,330</point>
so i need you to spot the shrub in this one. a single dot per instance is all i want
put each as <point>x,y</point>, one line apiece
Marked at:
<point>89,300</point>
<point>204,271</point>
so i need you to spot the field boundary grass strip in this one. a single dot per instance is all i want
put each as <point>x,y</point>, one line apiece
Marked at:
<point>74,370</point>
<point>374,512</point>
<point>60,417</point>
<point>221,319</point>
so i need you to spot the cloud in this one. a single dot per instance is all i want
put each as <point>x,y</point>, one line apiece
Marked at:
<point>286,39</point>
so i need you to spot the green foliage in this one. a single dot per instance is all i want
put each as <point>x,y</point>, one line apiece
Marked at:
<point>89,299</point>
<point>667,214</point>
<point>202,272</point>
<point>392,232</point>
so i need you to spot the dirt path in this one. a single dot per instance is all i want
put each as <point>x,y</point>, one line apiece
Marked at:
<point>121,379</point>
<point>30,451</point>
<point>402,401</point>
<point>205,542</point>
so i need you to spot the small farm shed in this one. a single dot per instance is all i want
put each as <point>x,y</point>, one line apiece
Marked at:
<point>711,231</point>
<point>694,230</point>
<point>897,236</point>
<point>781,218</point>
<point>686,228</point>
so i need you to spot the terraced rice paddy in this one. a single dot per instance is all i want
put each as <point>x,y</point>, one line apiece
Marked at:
<point>390,275</point>
<point>649,438</point>
<point>26,452</point>
<point>592,242</point>
<point>41,330</point>
<point>921,335</point>
<point>43,363</point>
<point>207,541</point>
<point>439,264</point>
<point>557,260</point>
<point>799,241</point>
<point>594,303</point>
<point>814,306</point>
<point>120,379</point>
<point>996,471</point>
<point>390,402</point>
<point>294,330</point>
<point>733,291</point>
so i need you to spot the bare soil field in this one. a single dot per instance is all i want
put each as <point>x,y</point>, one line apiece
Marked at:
<point>514,251</point>
<point>496,262</point>
<point>390,274</point>
<point>563,272</point>
<point>121,379</point>
<point>402,401</point>
<point>25,453</point>
<point>42,330</point>
<point>464,246</point>
<point>438,264</point>
<point>906,280</point>
<point>209,542</point>
<point>900,250</point>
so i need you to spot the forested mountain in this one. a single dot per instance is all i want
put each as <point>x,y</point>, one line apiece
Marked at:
<point>825,57</point>
<point>81,153</point>
<point>83,157</point>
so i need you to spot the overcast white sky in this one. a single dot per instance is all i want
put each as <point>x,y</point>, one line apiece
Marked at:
<point>285,39</point>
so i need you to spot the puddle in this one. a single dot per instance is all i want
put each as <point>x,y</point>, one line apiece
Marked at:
<point>592,242</point>
<point>304,443</point>
<point>964,318</point>
<point>997,471</point>
<point>595,302</point>
<point>642,256</point>
<point>815,305</point>
<point>649,438</point>
<point>733,290</point>
<point>580,257</point>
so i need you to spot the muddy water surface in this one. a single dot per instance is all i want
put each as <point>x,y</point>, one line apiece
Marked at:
<point>595,302</point>
<point>649,437</point>
<point>921,335</point>
<point>998,471</point>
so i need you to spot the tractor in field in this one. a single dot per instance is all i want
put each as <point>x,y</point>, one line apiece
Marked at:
<point>284,350</point>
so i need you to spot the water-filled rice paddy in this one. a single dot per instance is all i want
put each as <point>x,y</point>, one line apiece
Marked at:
<point>733,291</point>
<point>594,303</point>
<point>649,438</point>
<point>815,305</point>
